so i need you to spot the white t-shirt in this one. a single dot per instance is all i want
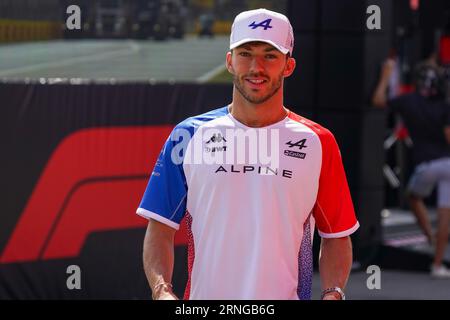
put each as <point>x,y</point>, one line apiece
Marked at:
<point>250,220</point>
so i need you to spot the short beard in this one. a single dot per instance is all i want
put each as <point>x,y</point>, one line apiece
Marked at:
<point>274,89</point>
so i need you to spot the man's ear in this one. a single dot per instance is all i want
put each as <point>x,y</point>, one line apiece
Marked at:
<point>228,62</point>
<point>290,67</point>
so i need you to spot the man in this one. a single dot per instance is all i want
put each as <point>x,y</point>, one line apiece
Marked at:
<point>427,118</point>
<point>251,223</point>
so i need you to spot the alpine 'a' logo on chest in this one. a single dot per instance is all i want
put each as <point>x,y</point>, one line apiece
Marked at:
<point>300,145</point>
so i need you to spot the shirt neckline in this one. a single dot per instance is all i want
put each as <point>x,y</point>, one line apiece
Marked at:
<point>236,121</point>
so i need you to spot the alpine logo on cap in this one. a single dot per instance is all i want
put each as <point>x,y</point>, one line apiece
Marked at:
<point>264,24</point>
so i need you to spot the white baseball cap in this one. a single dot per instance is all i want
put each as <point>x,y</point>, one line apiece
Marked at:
<point>262,25</point>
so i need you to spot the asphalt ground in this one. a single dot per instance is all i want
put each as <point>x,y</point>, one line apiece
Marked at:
<point>192,59</point>
<point>400,231</point>
<point>394,285</point>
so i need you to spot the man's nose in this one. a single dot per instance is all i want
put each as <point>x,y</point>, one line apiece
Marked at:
<point>257,65</point>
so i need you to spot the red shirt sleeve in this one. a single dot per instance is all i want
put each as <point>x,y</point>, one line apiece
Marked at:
<point>333,210</point>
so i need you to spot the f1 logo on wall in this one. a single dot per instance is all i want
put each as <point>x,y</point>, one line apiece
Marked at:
<point>300,144</point>
<point>66,206</point>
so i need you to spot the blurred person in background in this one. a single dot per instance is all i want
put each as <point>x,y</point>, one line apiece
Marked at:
<point>427,118</point>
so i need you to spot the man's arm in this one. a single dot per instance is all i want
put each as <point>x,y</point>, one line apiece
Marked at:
<point>158,259</point>
<point>379,98</point>
<point>335,262</point>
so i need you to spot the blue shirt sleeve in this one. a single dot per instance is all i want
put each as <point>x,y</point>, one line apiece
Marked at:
<point>164,199</point>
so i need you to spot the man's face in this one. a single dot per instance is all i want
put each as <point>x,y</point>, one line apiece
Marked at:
<point>258,70</point>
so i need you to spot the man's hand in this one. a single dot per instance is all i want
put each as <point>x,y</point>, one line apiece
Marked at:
<point>379,98</point>
<point>332,296</point>
<point>164,292</point>
<point>388,68</point>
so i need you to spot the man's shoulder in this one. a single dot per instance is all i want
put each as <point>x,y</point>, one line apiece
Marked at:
<point>320,130</point>
<point>192,123</point>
